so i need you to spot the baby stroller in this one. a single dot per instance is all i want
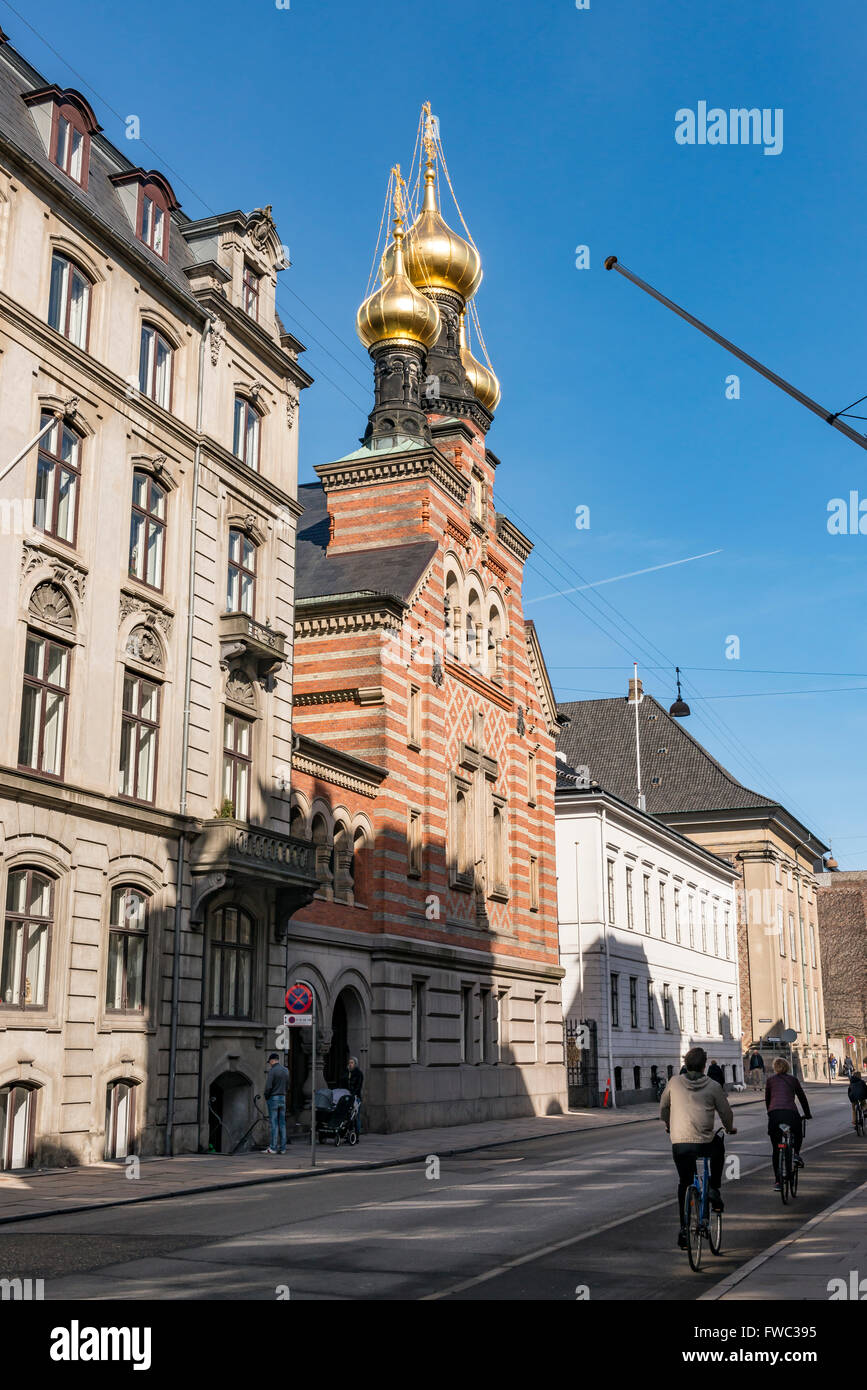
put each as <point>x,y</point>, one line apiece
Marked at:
<point>335,1116</point>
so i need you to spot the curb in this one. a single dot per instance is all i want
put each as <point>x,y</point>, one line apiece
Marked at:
<point>316,1172</point>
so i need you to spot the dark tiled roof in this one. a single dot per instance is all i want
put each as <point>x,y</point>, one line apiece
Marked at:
<point>101,197</point>
<point>387,570</point>
<point>601,736</point>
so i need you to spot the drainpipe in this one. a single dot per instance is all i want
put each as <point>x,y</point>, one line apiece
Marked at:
<point>185,758</point>
<point>607,989</point>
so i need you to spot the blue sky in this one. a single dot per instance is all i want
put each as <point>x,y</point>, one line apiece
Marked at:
<point>558,126</point>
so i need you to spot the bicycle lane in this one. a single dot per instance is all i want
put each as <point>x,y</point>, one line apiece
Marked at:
<point>635,1258</point>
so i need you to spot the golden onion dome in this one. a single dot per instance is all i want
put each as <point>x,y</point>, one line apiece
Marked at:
<point>486,387</point>
<point>436,257</point>
<point>397,310</point>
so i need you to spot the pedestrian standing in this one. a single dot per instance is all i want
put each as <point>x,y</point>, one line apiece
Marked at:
<point>832,1063</point>
<point>757,1070</point>
<point>354,1085</point>
<point>276,1086</point>
<point>715,1072</point>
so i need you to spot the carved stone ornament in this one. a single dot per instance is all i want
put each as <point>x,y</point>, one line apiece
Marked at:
<point>34,555</point>
<point>240,690</point>
<point>522,728</point>
<point>153,616</point>
<point>218,334</point>
<point>144,645</point>
<point>49,604</point>
<point>291,407</point>
<point>260,226</point>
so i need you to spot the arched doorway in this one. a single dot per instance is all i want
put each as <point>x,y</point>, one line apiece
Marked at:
<point>348,1037</point>
<point>17,1124</point>
<point>120,1118</point>
<point>229,1111</point>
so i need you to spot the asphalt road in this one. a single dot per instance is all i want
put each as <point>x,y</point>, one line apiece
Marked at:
<point>539,1220</point>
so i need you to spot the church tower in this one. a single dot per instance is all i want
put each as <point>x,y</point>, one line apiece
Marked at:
<point>424,771</point>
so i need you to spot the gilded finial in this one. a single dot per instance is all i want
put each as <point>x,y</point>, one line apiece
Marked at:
<point>399,186</point>
<point>429,135</point>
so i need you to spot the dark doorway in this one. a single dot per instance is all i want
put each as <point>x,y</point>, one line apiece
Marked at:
<point>337,1060</point>
<point>229,1111</point>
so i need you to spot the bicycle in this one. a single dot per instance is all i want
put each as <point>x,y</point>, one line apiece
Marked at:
<point>859,1120</point>
<point>701,1223</point>
<point>787,1167</point>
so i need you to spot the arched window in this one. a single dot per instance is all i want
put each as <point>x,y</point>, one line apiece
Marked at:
<point>241,585</point>
<point>231,946</point>
<point>453,615</point>
<point>322,853</point>
<point>69,300</point>
<point>24,950</point>
<point>127,951</point>
<point>495,644</point>
<point>498,850</point>
<point>473,642</point>
<point>58,475</point>
<point>341,859</point>
<point>297,823</point>
<point>155,366</point>
<point>245,443</point>
<point>360,867</point>
<point>17,1125</point>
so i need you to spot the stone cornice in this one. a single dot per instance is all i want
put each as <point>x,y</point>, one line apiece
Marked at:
<point>329,764</point>
<point>382,468</point>
<point>513,539</point>
<point>77,801</point>
<point>480,684</point>
<point>541,679</point>
<point>347,614</point>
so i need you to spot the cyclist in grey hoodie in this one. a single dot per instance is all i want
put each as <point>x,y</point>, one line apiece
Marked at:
<point>689,1108</point>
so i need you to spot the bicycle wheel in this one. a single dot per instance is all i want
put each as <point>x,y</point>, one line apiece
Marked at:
<point>784,1173</point>
<point>715,1229</point>
<point>793,1176</point>
<point>859,1123</point>
<point>692,1222</point>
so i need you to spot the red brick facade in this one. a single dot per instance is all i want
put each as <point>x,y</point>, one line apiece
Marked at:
<point>446,695</point>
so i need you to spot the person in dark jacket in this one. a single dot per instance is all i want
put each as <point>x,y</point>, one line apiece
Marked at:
<point>276,1086</point>
<point>857,1092</point>
<point>782,1094</point>
<point>354,1084</point>
<point>848,1068</point>
<point>715,1072</point>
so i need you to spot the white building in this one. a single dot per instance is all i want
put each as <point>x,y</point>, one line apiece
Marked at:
<point>648,944</point>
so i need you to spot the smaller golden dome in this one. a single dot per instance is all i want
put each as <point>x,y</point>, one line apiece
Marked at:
<point>397,311</point>
<point>486,387</point>
<point>436,257</point>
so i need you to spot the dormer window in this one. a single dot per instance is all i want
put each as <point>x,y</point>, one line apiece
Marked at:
<point>152,228</point>
<point>148,202</point>
<point>69,143</point>
<point>65,123</point>
<point>251,292</point>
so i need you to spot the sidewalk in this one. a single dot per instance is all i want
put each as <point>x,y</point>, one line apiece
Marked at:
<point>52,1191</point>
<point>832,1246</point>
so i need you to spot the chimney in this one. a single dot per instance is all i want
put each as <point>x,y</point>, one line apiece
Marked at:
<point>635,684</point>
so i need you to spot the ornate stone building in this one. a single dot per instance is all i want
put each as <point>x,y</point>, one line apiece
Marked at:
<point>842,905</point>
<point>423,772</point>
<point>148,412</point>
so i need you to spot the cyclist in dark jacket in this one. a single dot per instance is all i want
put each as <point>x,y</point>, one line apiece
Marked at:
<point>857,1092</point>
<point>782,1091</point>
